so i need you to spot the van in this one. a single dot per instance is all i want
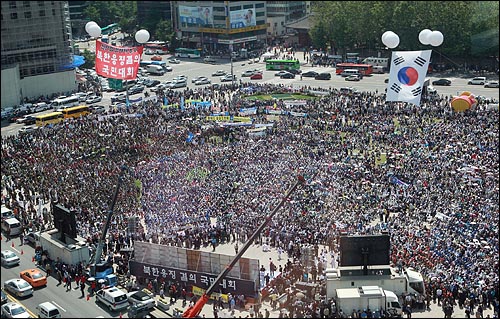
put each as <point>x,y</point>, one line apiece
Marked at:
<point>480,80</point>
<point>12,226</point>
<point>348,72</point>
<point>377,69</point>
<point>48,310</point>
<point>115,299</point>
<point>155,70</point>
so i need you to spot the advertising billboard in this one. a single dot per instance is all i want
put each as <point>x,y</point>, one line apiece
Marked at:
<point>202,16</point>
<point>242,18</point>
<point>117,62</point>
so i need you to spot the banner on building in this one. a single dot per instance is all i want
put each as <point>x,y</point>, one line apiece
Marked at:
<point>242,18</point>
<point>201,16</point>
<point>407,76</point>
<point>117,62</point>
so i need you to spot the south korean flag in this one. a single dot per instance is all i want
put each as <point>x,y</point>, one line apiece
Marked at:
<point>407,76</point>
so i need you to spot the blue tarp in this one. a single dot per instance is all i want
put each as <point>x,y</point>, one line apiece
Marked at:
<point>77,61</point>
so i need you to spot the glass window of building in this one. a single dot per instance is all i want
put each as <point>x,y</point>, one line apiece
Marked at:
<point>26,4</point>
<point>27,15</point>
<point>12,5</point>
<point>13,15</point>
<point>42,13</point>
<point>259,5</point>
<point>42,3</point>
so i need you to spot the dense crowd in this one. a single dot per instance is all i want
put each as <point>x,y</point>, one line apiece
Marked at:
<point>432,171</point>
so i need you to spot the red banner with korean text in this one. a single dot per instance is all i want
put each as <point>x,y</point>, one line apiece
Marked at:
<point>117,62</point>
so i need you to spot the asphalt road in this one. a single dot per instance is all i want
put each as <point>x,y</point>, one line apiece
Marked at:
<point>70,303</point>
<point>195,67</point>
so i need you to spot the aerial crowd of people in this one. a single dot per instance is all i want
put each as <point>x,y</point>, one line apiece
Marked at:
<point>430,174</point>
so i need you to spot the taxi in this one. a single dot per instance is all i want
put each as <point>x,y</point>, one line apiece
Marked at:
<point>34,277</point>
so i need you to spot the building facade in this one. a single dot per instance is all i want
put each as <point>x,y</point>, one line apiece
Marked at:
<point>155,10</point>
<point>36,41</point>
<point>219,27</point>
<point>290,10</point>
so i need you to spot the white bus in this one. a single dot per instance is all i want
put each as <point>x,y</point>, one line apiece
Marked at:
<point>66,102</point>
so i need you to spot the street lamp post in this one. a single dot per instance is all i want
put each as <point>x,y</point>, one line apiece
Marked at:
<point>231,57</point>
<point>141,36</point>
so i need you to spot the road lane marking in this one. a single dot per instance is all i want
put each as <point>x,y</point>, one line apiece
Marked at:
<point>58,306</point>
<point>9,296</point>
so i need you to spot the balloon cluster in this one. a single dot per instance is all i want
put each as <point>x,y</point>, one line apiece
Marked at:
<point>92,28</point>
<point>426,36</point>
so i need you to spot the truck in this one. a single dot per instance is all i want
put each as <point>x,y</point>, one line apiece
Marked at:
<point>155,69</point>
<point>368,297</point>
<point>408,281</point>
<point>72,253</point>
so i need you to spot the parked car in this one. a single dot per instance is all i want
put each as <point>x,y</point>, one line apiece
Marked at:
<point>280,73</point>
<point>228,78</point>
<point>177,84</point>
<point>151,83</point>
<point>323,76</point>
<point>34,277</point>
<point>480,80</point>
<point>14,310</point>
<point>215,86</point>
<point>202,81</point>
<point>256,76</point>
<point>219,73</point>
<point>93,99</point>
<point>119,97</point>
<point>156,58</point>
<point>141,298</point>
<point>247,73</point>
<point>491,84</point>
<point>295,71</point>
<point>310,74</point>
<point>18,115</point>
<point>136,89</point>
<point>196,78</point>
<point>210,60</point>
<point>4,297</point>
<point>287,75</point>
<point>444,82</point>
<point>25,118</point>
<point>168,68</point>
<point>18,287</point>
<point>174,61</point>
<point>26,129</point>
<point>97,109</point>
<point>9,258</point>
<point>353,77</point>
<point>40,107</point>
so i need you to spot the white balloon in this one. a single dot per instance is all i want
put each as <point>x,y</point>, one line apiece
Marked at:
<point>392,40</point>
<point>142,36</point>
<point>436,38</point>
<point>423,36</point>
<point>386,33</point>
<point>87,26</point>
<point>94,31</point>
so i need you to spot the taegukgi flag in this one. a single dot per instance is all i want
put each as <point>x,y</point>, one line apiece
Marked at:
<point>407,76</point>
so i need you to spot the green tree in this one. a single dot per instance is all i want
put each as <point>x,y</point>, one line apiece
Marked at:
<point>89,59</point>
<point>164,31</point>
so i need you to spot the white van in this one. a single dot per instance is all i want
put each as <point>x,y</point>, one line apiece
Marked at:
<point>348,72</point>
<point>114,298</point>
<point>377,69</point>
<point>48,310</point>
<point>373,61</point>
<point>12,226</point>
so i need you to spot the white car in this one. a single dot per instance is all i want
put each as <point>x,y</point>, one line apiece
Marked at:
<point>202,81</point>
<point>9,258</point>
<point>219,73</point>
<point>18,287</point>
<point>93,99</point>
<point>168,68</point>
<point>174,61</point>
<point>14,310</point>
<point>480,80</point>
<point>26,129</point>
<point>196,78</point>
<point>141,298</point>
<point>247,73</point>
<point>180,78</point>
<point>228,78</point>
<point>491,84</point>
